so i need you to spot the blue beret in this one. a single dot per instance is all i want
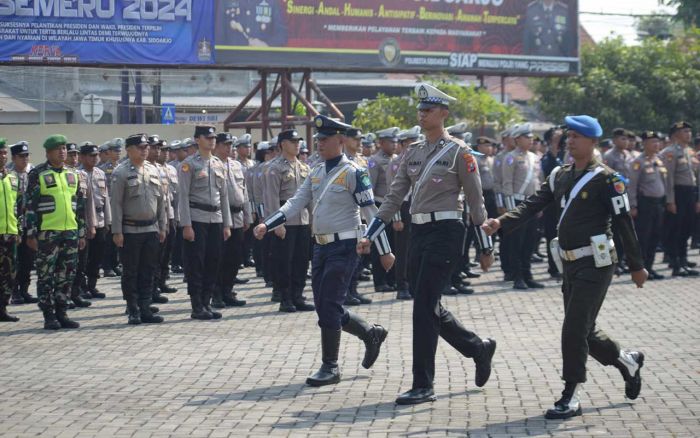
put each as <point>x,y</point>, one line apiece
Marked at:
<point>584,125</point>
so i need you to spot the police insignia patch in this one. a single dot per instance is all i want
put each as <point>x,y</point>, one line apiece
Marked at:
<point>636,166</point>
<point>509,160</point>
<point>619,187</point>
<point>49,180</point>
<point>185,167</point>
<point>371,164</point>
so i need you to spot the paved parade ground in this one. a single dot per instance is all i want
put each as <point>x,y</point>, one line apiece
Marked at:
<point>244,375</point>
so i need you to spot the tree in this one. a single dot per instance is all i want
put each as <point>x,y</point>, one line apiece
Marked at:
<point>642,87</point>
<point>655,26</point>
<point>475,106</point>
<point>688,11</point>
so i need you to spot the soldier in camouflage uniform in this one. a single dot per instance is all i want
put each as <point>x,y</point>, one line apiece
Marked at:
<point>9,233</point>
<point>56,230</point>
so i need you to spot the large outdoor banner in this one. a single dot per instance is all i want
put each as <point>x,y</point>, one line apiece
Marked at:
<point>519,36</point>
<point>158,32</point>
<point>462,36</point>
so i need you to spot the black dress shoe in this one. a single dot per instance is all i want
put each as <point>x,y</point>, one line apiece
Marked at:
<point>464,283</point>
<point>532,284</point>
<point>463,290</point>
<point>249,263</point>
<point>653,275</point>
<point>450,290</point>
<point>483,362</point>
<point>690,264</point>
<point>240,280</point>
<point>471,274</point>
<point>569,405</point>
<point>630,364</point>
<point>403,295</point>
<point>383,288</point>
<point>351,301</point>
<point>303,306</point>
<point>363,299</point>
<point>118,271</point>
<point>109,273</point>
<point>520,285</point>
<point>217,303</point>
<point>287,307</point>
<point>80,302</point>
<point>555,275</point>
<point>234,302</point>
<point>165,289</point>
<point>462,275</point>
<point>416,396</point>
<point>159,299</point>
<point>364,277</point>
<point>97,294</point>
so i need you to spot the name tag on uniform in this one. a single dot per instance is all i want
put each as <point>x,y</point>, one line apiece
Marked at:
<point>202,174</point>
<point>649,170</point>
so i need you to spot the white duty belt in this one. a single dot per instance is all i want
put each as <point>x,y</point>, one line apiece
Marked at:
<point>574,254</point>
<point>424,218</point>
<point>325,239</point>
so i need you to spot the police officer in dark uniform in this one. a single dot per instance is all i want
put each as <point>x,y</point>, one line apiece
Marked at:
<point>436,170</point>
<point>647,193</point>
<point>593,203</point>
<point>548,29</point>
<point>340,193</point>
<point>25,255</point>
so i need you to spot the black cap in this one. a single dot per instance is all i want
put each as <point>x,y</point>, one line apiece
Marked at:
<point>607,143</point>
<point>646,135</point>
<point>619,131</point>
<point>354,133</point>
<point>204,131</point>
<point>225,137</point>
<point>136,139</point>
<point>71,147</point>
<point>290,134</point>
<point>678,126</point>
<point>327,127</point>
<point>20,148</point>
<point>88,148</point>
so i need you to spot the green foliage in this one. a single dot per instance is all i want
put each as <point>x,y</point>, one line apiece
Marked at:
<point>688,11</point>
<point>475,106</point>
<point>641,87</point>
<point>655,26</point>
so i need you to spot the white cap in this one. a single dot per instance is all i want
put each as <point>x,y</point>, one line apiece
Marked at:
<point>430,96</point>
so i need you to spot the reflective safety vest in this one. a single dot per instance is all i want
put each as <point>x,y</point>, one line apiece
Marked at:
<point>58,200</point>
<point>9,187</point>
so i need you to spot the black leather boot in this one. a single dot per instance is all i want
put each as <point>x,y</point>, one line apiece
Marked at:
<point>50,322</point>
<point>198,311</point>
<point>329,373</point>
<point>80,301</point>
<point>569,405</point>
<point>286,303</point>
<point>300,302</point>
<point>63,319</point>
<point>92,288</point>
<point>372,334</point>
<point>483,362</point>
<point>630,364</point>
<point>157,298</point>
<point>4,316</point>
<point>217,301</point>
<point>146,316</point>
<point>26,296</point>
<point>206,303</point>
<point>230,299</point>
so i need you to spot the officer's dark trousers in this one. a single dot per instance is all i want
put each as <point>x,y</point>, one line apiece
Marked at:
<point>401,248</point>
<point>165,250</point>
<point>203,257</point>
<point>468,240</point>
<point>379,275</point>
<point>290,258</point>
<point>584,290</point>
<point>435,248</point>
<point>504,251</point>
<point>490,203</point>
<point>111,254</point>
<point>140,260</point>
<point>266,253</point>
<point>25,262</point>
<point>231,259</point>
<point>177,248</point>
<point>550,218</point>
<point>248,241</point>
<point>521,250</point>
<point>95,252</point>
<point>332,269</point>
<point>681,224</point>
<point>648,226</point>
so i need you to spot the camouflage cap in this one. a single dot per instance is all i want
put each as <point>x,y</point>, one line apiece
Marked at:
<point>55,141</point>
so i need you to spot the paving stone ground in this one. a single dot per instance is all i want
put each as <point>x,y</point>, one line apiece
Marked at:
<point>244,375</point>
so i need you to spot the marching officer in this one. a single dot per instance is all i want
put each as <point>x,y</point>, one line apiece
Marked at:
<point>110,264</point>
<point>377,166</point>
<point>9,233</point>
<point>647,195</point>
<point>25,255</point>
<point>589,197</point>
<point>205,218</point>
<point>241,217</point>
<point>290,243</point>
<point>97,180</point>
<point>138,227</point>
<point>402,219</point>
<point>520,180</point>
<point>436,169</point>
<point>339,192</point>
<point>56,230</point>
<point>79,295</point>
<point>160,271</point>
<point>681,184</point>
<point>353,149</point>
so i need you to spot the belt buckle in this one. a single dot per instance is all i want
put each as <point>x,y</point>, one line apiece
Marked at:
<point>569,255</point>
<point>322,239</point>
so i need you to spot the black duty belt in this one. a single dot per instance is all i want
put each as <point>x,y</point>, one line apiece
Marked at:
<point>235,210</point>
<point>205,207</point>
<point>133,223</point>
